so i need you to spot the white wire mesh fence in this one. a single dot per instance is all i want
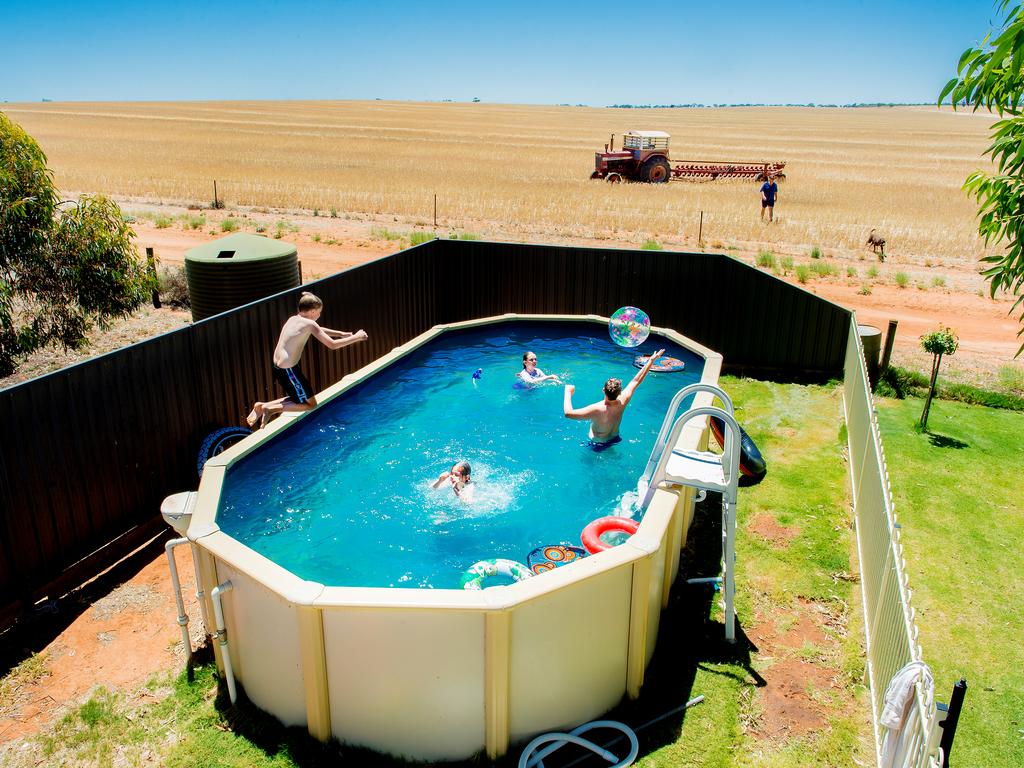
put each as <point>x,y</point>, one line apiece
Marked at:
<point>890,628</point>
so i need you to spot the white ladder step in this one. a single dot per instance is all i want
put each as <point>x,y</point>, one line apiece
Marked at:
<point>701,469</point>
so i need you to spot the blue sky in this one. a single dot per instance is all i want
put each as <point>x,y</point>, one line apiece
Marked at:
<point>595,53</point>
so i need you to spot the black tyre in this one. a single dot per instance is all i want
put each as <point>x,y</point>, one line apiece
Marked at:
<point>219,441</point>
<point>613,178</point>
<point>655,171</point>
<point>596,175</point>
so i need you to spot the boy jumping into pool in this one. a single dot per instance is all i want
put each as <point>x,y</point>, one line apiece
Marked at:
<point>606,415</point>
<point>294,335</point>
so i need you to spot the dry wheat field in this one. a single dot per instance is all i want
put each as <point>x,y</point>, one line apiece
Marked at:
<point>522,171</point>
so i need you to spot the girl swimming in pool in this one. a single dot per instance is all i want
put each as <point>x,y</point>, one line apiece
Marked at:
<point>459,479</point>
<point>531,374</point>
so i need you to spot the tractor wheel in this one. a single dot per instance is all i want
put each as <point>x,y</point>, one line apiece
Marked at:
<point>613,178</point>
<point>655,171</point>
<point>596,175</point>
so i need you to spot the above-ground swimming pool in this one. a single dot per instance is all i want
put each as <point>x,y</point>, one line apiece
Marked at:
<point>339,566</point>
<point>347,499</point>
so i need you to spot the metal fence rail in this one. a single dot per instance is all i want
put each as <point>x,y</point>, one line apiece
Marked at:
<point>87,453</point>
<point>891,633</point>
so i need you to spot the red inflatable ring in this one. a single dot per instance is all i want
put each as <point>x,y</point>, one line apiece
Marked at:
<point>591,535</point>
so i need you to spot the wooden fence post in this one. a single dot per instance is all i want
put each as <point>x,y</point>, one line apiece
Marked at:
<point>890,339</point>
<point>151,260</point>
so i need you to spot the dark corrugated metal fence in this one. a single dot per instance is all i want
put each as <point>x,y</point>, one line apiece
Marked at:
<point>88,453</point>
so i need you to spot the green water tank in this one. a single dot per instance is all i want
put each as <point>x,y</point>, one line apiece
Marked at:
<point>234,270</point>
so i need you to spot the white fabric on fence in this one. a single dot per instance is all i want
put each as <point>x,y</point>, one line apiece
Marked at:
<point>899,715</point>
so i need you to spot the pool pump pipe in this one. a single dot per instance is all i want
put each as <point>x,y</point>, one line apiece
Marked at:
<point>221,635</point>
<point>176,584</point>
<point>200,592</point>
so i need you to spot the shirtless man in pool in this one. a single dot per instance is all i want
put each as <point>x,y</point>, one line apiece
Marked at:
<point>294,335</point>
<point>606,415</point>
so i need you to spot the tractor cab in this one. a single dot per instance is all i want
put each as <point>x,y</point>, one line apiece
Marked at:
<point>645,143</point>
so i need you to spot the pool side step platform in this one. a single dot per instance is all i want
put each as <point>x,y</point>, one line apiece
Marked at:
<point>702,468</point>
<point>176,510</point>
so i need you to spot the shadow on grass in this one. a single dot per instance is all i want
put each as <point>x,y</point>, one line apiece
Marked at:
<point>42,625</point>
<point>687,641</point>
<point>942,441</point>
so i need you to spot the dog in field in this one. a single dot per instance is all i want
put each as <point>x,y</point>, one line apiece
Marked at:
<point>877,243</point>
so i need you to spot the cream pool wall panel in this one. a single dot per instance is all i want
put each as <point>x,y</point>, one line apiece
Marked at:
<point>568,652</point>
<point>654,592</point>
<point>263,637</point>
<point>661,520</point>
<point>407,682</point>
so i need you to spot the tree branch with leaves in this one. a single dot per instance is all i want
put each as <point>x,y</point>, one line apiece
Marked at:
<point>64,266</point>
<point>991,76</point>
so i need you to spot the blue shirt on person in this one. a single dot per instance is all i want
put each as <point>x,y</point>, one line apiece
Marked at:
<point>769,190</point>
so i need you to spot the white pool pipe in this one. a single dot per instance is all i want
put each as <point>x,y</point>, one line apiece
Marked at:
<point>200,593</point>
<point>221,636</point>
<point>176,584</point>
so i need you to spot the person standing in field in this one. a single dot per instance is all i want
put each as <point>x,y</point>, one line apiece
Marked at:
<point>769,194</point>
<point>294,335</point>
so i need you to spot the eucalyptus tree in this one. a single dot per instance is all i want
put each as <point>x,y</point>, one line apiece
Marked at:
<point>991,76</point>
<point>65,266</point>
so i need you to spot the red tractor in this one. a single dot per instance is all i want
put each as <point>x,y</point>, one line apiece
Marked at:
<point>644,157</point>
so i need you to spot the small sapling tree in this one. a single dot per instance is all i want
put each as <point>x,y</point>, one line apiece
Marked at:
<point>64,265</point>
<point>938,343</point>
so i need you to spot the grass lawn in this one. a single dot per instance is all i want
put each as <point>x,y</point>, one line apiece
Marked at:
<point>792,697</point>
<point>957,494</point>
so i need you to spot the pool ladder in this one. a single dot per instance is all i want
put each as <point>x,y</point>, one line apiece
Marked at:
<point>704,470</point>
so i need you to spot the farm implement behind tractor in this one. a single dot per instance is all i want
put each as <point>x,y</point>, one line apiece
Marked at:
<point>644,157</point>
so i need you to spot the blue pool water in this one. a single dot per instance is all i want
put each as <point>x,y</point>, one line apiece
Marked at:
<point>344,497</point>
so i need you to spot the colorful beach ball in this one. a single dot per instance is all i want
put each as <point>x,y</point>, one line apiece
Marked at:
<point>629,327</point>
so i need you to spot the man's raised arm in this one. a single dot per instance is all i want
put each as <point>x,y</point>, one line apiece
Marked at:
<point>627,393</point>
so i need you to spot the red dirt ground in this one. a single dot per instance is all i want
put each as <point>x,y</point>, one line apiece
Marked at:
<point>800,680</point>
<point>120,642</point>
<point>768,528</point>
